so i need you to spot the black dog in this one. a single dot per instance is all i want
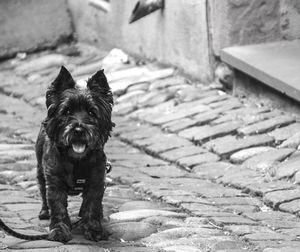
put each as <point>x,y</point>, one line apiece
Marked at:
<point>70,153</point>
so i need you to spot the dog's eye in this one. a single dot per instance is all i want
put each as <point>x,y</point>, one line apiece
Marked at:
<point>92,113</point>
<point>67,111</point>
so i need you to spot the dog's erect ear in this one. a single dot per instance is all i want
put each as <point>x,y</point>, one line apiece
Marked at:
<point>63,81</point>
<point>98,81</point>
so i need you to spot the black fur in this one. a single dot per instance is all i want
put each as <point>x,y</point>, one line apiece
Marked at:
<point>70,142</point>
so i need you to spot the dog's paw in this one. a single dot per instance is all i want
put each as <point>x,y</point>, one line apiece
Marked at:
<point>61,232</point>
<point>95,232</point>
<point>44,214</point>
<point>95,235</point>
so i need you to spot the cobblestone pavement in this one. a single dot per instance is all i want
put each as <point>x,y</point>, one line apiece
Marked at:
<point>194,169</point>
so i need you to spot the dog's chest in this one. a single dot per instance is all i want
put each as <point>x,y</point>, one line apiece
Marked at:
<point>77,179</point>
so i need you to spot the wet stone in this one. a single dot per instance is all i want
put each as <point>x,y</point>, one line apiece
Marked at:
<point>263,126</point>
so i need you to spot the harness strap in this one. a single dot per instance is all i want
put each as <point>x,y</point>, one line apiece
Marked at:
<point>80,183</point>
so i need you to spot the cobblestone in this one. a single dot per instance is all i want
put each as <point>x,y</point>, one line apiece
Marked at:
<point>185,210</point>
<point>230,144</point>
<point>267,125</point>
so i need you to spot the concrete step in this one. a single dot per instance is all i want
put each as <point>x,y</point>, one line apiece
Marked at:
<point>275,64</point>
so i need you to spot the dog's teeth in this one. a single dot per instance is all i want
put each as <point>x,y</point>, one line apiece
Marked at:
<point>78,148</point>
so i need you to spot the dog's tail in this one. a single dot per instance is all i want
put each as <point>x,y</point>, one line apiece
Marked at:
<point>9,231</point>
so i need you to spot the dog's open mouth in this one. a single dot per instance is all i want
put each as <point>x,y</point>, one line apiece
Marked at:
<point>78,147</point>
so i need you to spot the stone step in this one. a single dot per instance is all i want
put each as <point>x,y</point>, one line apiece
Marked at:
<point>275,64</point>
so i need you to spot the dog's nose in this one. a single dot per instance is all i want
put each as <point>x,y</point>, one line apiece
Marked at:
<point>78,131</point>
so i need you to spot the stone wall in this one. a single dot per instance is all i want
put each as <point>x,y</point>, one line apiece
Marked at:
<point>176,36</point>
<point>188,34</point>
<point>290,19</point>
<point>27,25</point>
<point>240,22</point>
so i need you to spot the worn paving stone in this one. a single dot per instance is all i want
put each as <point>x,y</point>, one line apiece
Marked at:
<point>290,207</point>
<point>246,115</point>
<point>267,125</point>
<point>164,171</point>
<point>180,232</point>
<point>136,215</point>
<point>181,152</point>
<point>172,142</point>
<point>181,124</point>
<point>288,168</point>
<point>232,220</point>
<point>153,98</point>
<point>276,198</point>
<point>228,201</point>
<point>167,82</point>
<point>281,224</point>
<point>230,144</point>
<point>284,133</point>
<point>291,142</point>
<point>242,230</point>
<point>131,231</point>
<point>245,154</point>
<point>132,97</point>
<point>206,132</point>
<point>283,249</point>
<point>266,236</point>
<point>141,204</point>
<point>194,93</point>
<point>191,161</point>
<point>261,161</point>
<point>212,170</point>
<point>180,111</point>
<point>239,209</point>
<point>261,189</point>
<point>203,118</point>
<point>270,215</point>
<point>240,178</point>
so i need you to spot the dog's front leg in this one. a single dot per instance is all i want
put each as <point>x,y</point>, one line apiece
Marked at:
<point>91,212</point>
<point>60,224</point>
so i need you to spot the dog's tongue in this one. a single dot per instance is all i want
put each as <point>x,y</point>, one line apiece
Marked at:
<point>78,148</point>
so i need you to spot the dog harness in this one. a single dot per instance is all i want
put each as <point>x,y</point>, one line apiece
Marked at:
<point>80,183</point>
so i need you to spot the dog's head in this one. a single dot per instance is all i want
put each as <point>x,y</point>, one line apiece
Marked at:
<point>79,120</point>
